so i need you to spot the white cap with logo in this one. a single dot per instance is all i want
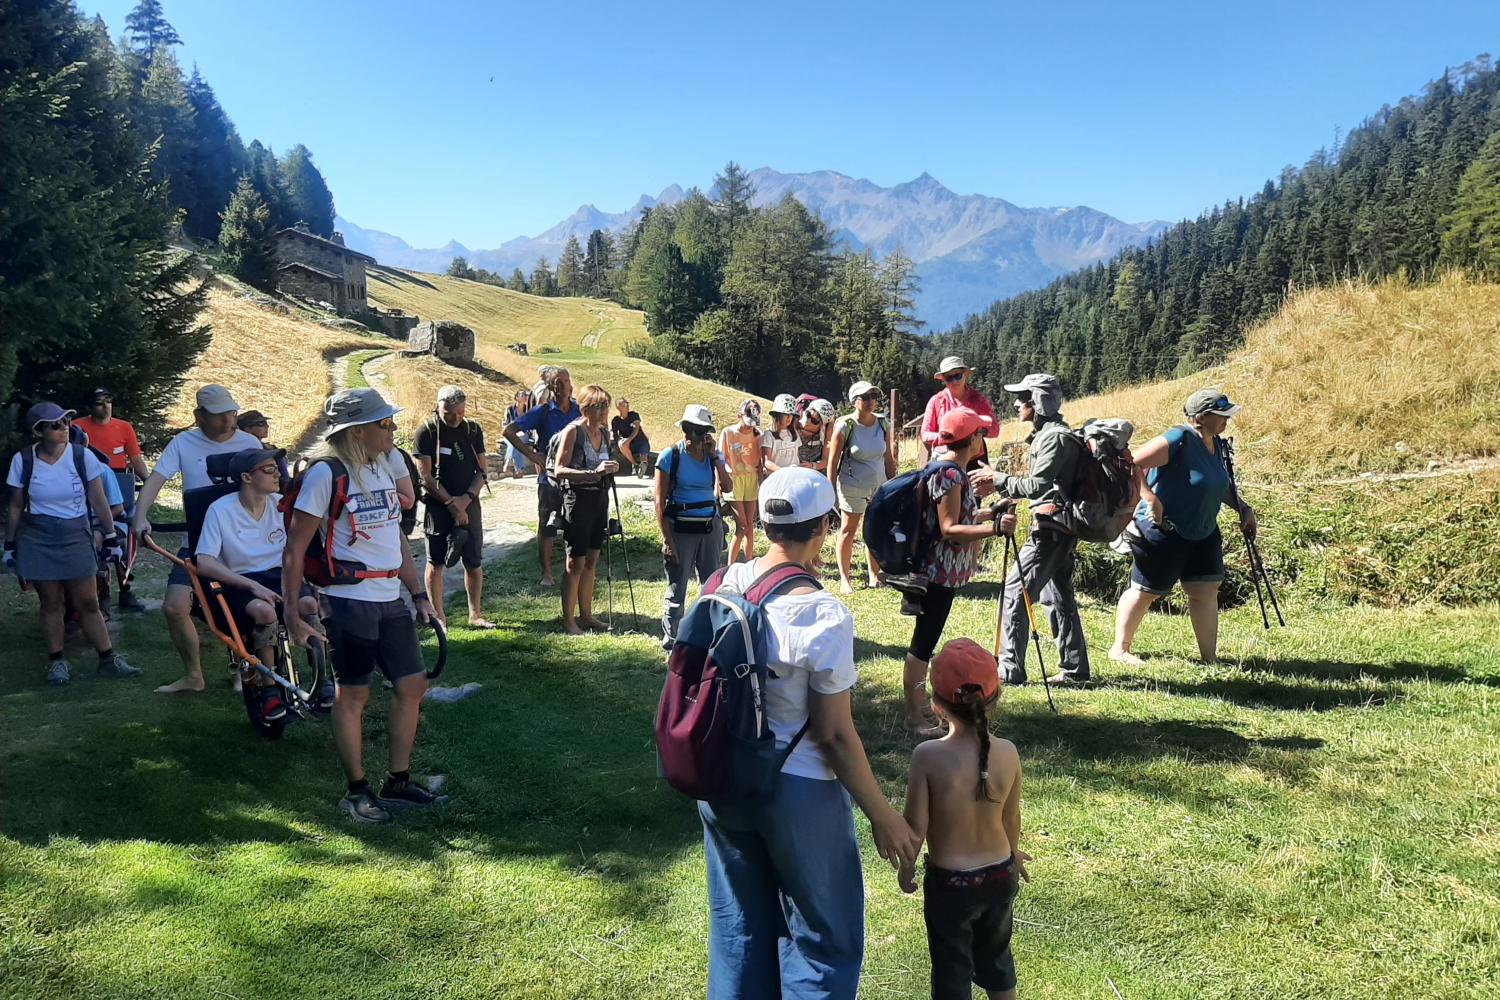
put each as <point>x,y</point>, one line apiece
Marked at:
<point>861,387</point>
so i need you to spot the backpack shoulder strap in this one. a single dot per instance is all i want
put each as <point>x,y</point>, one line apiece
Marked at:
<point>28,467</point>
<point>672,472</point>
<point>80,466</point>
<point>777,579</point>
<point>715,580</point>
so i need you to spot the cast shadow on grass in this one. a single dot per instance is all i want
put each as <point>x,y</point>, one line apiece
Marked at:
<point>1340,671</point>
<point>1251,692</point>
<point>391,276</point>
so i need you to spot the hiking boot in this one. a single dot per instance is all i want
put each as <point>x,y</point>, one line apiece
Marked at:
<point>272,707</point>
<point>129,602</point>
<point>118,667</point>
<point>402,794</point>
<point>59,673</point>
<point>362,807</point>
<point>1014,680</point>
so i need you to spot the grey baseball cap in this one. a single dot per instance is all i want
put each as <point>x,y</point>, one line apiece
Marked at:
<point>353,407</point>
<point>216,399</point>
<point>1036,382</point>
<point>1210,401</point>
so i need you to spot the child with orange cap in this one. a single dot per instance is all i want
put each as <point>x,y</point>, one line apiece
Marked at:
<point>964,796</point>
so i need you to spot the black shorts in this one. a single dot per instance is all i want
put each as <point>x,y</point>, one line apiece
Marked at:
<point>238,599</point>
<point>936,607</point>
<point>548,503</point>
<point>1164,557</point>
<point>369,634</point>
<point>969,924</point>
<point>438,526</point>
<point>585,518</point>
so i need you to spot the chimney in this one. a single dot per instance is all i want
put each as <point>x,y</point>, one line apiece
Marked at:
<point>338,238</point>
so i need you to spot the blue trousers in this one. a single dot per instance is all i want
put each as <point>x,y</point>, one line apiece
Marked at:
<point>786,895</point>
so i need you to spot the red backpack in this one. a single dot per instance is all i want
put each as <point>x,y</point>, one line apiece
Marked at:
<point>713,737</point>
<point>319,567</point>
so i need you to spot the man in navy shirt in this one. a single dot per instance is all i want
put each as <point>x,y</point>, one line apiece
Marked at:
<point>545,420</point>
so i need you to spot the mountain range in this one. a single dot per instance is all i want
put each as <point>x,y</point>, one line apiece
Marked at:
<point>970,250</point>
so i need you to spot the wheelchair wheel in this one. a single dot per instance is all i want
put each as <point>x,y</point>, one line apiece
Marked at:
<point>438,658</point>
<point>259,701</point>
<point>319,680</point>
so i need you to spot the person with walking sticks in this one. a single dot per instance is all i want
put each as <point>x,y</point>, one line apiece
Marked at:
<point>1046,562</point>
<point>1175,535</point>
<point>584,472</point>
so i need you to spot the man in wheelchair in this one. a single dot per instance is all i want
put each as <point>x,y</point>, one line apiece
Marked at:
<point>238,541</point>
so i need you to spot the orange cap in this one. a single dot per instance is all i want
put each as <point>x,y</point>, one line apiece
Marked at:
<point>961,662</point>
<point>960,423</point>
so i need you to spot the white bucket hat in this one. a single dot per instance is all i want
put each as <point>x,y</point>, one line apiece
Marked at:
<point>696,413</point>
<point>951,363</point>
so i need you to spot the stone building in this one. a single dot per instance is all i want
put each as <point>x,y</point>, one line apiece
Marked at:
<point>321,270</point>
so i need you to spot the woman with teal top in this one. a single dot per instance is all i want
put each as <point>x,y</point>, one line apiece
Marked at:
<point>1176,535</point>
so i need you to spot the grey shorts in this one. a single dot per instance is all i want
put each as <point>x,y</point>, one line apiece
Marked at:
<point>854,500</point>
<point>369,634</point>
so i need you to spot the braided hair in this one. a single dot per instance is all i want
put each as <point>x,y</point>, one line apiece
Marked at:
<point>970,708</point>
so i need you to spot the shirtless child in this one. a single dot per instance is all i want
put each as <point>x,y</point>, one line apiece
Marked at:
<point>964,796</point>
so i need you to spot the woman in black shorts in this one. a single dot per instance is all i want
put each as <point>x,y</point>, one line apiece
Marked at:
<point>955,516</point>
<point>583,470</point>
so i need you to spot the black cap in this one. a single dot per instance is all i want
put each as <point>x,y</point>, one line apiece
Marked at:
<point>100,393</point>
<point>250,418</point>
<point>242,462</point>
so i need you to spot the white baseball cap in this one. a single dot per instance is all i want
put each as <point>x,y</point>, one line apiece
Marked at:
<point>697,413</point>
<point>804,494</point>
<point>861,387</point>
<point>216,399</point>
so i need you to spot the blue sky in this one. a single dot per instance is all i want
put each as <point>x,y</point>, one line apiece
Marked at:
<point>483,121</point>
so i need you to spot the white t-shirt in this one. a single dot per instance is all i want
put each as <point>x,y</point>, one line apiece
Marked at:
<point>809,647</point>
<point>55,489</point>
<point>188,452</point>
<point>395,465</point>
<point>375,507</point>
<point>241,542</point>
<point>783,452</point>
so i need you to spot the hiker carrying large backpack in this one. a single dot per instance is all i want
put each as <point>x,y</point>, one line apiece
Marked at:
<point>756,722</point>
<point>1047,560</point>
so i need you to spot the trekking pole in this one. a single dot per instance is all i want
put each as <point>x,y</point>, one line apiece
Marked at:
<point>624,546</point>
<point>1270,592</point>
<point>1001,507</point>
<point>1036,636</point>
<point>1255,578</point>
<point>1252,551</point>
<point>609,569</point>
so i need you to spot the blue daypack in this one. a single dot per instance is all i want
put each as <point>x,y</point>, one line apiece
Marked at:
<point>896,529</point>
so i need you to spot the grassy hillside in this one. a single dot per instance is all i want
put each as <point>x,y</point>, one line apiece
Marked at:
<point>583,334</point>
<point>273,362</point>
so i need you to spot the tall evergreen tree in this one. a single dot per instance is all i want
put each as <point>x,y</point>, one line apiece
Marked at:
<point>733,191</point>
<point>542,281</point>
<point>899,282</point>
<point>166,118</point>
<point>459,267</point>
<point>598,264</point>
<point>265,174</point>
<point>308,197</point>
<point>570,277</point>
<point>216,160</point>
<point>517,282</point>
<point>245,238</point>
<point>1471,231</point>
<point>91,294</point>
<point>147,29</point>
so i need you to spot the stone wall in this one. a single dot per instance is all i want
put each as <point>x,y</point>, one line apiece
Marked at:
<point>292,249</point>
<point>445,339</point>
<point>300,284</point>
<point>354,275</point>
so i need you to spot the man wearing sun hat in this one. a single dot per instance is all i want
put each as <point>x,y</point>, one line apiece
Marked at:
<point>956,392</point>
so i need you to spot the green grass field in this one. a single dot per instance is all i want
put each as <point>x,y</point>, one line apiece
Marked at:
<point>1319,816</point>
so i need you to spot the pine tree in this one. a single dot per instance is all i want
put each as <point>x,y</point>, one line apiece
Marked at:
<point>308,197</point>
<point>166,118</point>
<point>91,294</point>
<point>216,160</point>
<point>245,238</point>
<point>517,282</point>
<point>265,174</point>
<point>147,29</point>
<point>1471,231</point>
<point>733,191</point>
<point>459,268</point>
<point>598,262</point>
<point>570,280</point>
<point>898,279</point>
<point>542,282</point>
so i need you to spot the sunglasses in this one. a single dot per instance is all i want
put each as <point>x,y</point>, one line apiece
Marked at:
<point>267,470</point>
<point>954,376</point>
<point>814,420</point>
<point>870,397</point>
<point>53,425</point>
<point>386,425</point>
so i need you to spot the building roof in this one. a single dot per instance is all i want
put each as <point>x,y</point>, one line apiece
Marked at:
<point>328,275</point>
<point>306,235</point>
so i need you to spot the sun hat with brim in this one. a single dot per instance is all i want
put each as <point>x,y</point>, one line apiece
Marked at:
<point>251,459</point>
<point>785,403</point>
<point>1036,382</point>
<point>964,663</point>
<point>791,496</point>
<point>1210,401</point>
<point>960,423</point>
<point>216,399</point>
<point>951,363</point>
<point>46,412</point>
<point>696,414</point>
<point>861,387</point>
<point>354,407</point>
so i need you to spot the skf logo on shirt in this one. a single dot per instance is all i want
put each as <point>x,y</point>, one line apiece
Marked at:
<point>375,508</point>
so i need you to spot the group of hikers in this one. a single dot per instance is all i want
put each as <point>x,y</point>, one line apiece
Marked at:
<point>784,877</point>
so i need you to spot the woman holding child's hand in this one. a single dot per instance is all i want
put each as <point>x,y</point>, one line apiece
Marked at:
<point>785,883</point>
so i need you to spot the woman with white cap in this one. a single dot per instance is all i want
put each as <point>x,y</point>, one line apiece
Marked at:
<point>812,435</point>
<point>1176,531</point>
<point>368,623</point>
<point>690,475</point>
<point>860,459</point>
<point>48,541</point>
<point>957,392</point>
<point>741,448</point>
<point>778,445</point>
<point>785,882</point>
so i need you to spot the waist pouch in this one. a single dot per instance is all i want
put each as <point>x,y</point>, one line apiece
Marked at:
<point>692,525</point>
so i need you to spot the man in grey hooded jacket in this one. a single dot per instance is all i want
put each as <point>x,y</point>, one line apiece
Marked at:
<point>1048,558</point>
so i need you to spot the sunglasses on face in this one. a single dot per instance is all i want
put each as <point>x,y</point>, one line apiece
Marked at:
<point>386,425</point>
<point>870,397</point>
<point>267,470</point>
<point>53,425</point>
<point>953,376</point>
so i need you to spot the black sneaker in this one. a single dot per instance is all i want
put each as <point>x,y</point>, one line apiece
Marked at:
<point>363,807</point>
<point>129,602</point>
<point>402,794</point>
<point>117,666</point>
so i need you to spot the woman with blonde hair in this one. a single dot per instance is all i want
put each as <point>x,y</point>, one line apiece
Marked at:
<point>584,470</point>
<point>741,447</point>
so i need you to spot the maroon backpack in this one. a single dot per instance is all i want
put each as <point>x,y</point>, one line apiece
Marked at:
<point>713,737</point>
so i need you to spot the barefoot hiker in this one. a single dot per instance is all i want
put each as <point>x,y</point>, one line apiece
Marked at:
<point>48,541</point>
<point>859,461</point>
<point>785,887</point>
<point>187,455</point>
<point>368,624</point>
<point>963,795</point>
<point>584,472</point>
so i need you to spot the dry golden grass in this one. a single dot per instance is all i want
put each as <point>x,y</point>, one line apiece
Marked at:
<point>1346,379</point>
<point>500,316</point>
<point>270,361</point>
<point>414,381</point>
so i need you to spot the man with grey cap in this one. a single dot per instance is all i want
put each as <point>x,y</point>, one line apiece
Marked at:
<point>369,625</point>
<point>450,452</point>
<point>1047,560</point>
<point>186,455</point>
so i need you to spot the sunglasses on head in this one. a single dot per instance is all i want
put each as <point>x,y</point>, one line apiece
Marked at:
<point>953,376</point>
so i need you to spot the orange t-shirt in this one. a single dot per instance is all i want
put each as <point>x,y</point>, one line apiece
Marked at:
<point>116,439</point>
